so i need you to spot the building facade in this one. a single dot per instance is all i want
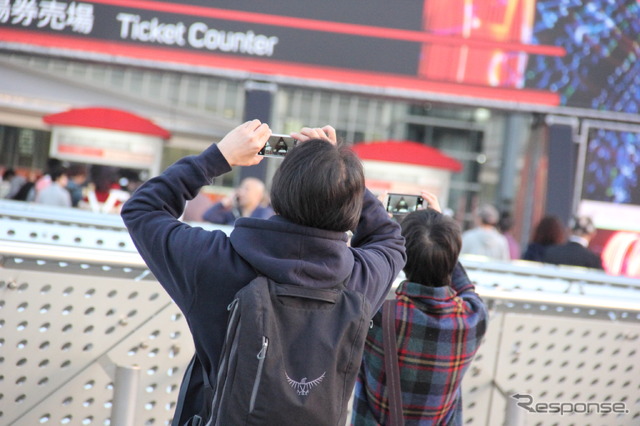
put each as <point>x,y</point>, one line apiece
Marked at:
<point>527,95</point>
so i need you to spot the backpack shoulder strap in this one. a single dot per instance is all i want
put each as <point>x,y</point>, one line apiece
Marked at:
<point>182,395</point>
<point>391,367</point>
<point>194,395</point>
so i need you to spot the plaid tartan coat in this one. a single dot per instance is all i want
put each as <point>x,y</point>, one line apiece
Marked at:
<point>439,330</point>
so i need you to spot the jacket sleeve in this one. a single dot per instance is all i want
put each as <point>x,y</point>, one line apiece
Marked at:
<point>177,254</point>
<point>465,289</point>
<point>460,281</point>
<point>378,249</point>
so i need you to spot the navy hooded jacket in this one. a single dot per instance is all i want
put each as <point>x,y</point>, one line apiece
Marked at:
<point>202,270</point>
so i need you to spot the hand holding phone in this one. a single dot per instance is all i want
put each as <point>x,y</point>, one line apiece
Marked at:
<point>239,146</point>
<point>278,145</point>
<point>327,133</point>
<point>431,200</point>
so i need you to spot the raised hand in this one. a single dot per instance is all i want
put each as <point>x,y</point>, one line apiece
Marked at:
<point>431,199</point>
<point>241,145</point>
<point>327,133</point>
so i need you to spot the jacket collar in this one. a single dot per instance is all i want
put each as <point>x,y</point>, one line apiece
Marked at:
<point>290,253</point>
<point>430,300</point>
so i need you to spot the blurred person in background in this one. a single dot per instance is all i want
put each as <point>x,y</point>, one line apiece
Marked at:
<point>5,182</point>
<point>55,194</point>
<point>53,166</point>
<point>11,183</point>
<point>485,239</point>
<point>576,251</point>
<point>505,226</point>
<point>103,180</point>
<point>548,232</point>
<point>129,180</point>
<point>27,191</point>
<point>77,180</point>
<point>246,201</point>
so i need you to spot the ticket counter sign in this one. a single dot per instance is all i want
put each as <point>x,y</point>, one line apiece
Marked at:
<point>536,54</point>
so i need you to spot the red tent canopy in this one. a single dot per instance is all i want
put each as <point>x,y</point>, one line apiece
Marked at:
<point>106,118</point>
<point>406,152</point>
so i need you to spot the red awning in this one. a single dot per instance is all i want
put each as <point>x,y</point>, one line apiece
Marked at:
<point>406,152</point>
<point>106,118</point>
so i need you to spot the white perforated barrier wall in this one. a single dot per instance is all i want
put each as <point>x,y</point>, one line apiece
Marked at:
<point>63,335</point>
<point>569,361</point>
<point>72,310</point>
<point>549,364</point>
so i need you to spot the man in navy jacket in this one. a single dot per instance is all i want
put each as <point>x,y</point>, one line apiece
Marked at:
<point>318,195</point>
<point>575,251</point>
<point>246,201</point>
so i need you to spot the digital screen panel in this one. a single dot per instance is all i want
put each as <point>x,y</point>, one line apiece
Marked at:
<point>600,69</point>
<point>525,52</point>
<point>612,167</point>
<point>610,195</point>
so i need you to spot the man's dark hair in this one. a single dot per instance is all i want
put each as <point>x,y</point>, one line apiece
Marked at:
<point>8,174</point>
<point>53,164</point>
<point>433,243</point>
<point>319,185</point>
<point>77,170</point>
<point>505,224</point>
<point>57,172</point>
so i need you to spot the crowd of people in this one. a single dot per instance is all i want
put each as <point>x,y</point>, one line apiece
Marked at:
<point>104,189</point>
<point>90,187</point>
<point>491,237</point>
<point>551,242</point>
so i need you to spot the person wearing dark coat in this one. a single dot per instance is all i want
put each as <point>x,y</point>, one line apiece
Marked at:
<point>318,195</point>
<point>246,201</point>
<point>548,232</point>
<point>575,251</point>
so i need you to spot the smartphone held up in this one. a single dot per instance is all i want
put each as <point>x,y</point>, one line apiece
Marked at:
<point>401,204</point>
<point>278,145</point>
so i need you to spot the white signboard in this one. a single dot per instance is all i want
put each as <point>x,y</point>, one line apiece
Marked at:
<point>106,147</point>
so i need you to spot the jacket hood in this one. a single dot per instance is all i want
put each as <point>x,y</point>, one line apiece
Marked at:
<point>293,254</point>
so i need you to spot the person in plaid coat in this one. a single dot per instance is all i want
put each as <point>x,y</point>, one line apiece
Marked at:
<point>440,323</point>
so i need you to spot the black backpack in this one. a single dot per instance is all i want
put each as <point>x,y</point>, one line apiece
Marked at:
<point>291,356</point>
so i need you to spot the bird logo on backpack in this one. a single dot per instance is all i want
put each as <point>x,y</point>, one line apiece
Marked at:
<point>303,386</point>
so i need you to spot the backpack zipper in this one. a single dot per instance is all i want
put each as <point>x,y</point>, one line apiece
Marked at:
<point>256,384</point>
